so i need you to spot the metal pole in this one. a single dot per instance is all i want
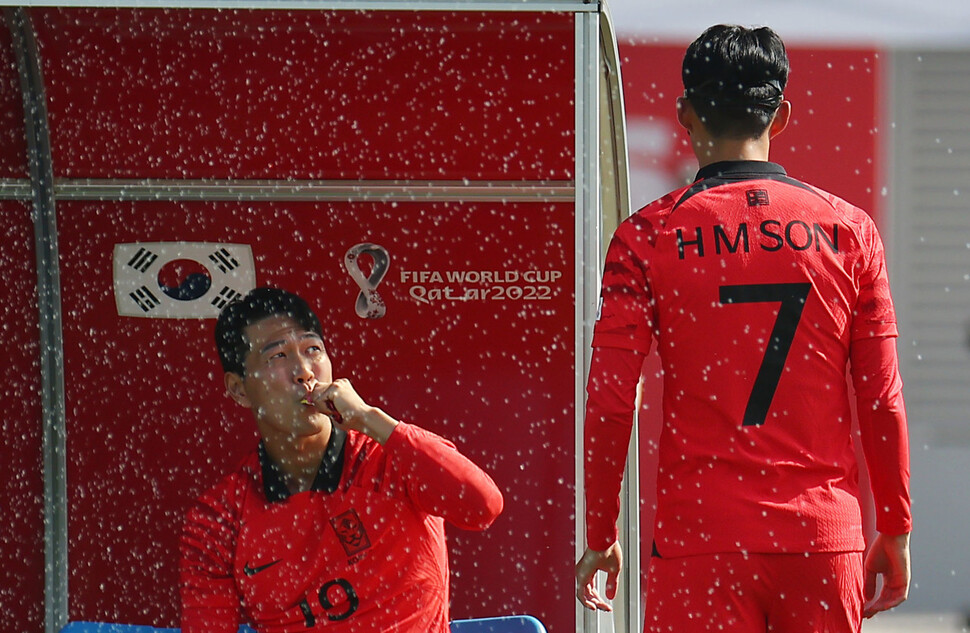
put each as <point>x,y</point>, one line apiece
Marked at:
<point>49,319</point>
<point>587,253</point>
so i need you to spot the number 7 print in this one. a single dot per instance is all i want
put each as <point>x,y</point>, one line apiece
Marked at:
<point>792,298</point>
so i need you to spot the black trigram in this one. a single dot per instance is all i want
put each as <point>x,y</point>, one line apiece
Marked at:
<point>142,260</point>
<point>225,296</point>
<point>145,299</point>
<point>223,260</point>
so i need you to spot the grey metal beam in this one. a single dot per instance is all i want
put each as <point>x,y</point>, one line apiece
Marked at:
<point>310,190</point>
<point>49,314</point>
<point>15,189</point>
<point>587,239</point>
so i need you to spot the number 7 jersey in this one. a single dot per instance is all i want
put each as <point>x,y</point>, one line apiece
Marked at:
<point>754,286</point>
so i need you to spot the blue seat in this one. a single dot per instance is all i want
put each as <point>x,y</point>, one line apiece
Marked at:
<point>108,627</point>
<point>504,624</point>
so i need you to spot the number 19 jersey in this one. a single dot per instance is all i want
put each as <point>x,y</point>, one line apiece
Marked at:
<point>754,286</point>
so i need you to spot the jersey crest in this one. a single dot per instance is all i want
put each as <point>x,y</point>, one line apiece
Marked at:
<point>350,530</point>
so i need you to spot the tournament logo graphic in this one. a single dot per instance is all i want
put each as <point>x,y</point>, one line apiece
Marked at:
<point>180,280</point>
<point>369,303</point>
<point>351,532</point>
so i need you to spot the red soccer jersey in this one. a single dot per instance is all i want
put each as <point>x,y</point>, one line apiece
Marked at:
<point>755,286</point>
<point>363,550</point>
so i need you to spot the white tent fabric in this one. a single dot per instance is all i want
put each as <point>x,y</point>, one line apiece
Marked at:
<point>888,23</point>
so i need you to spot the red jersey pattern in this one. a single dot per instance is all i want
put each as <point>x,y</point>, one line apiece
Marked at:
<point>755,288</point>
<point>363,550</point>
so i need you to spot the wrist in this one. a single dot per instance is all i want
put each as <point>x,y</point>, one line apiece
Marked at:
<point>377,424</point>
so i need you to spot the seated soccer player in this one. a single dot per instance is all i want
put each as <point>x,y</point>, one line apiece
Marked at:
<point>337,516</point>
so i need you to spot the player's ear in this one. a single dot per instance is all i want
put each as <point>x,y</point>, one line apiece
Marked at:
<point>780,120</point>
<point>237,389</point>
<point>685,114</point>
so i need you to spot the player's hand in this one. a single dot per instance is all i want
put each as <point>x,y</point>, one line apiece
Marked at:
<point>888,557</point>
<point>341,402</point>
<point>610,561</point>
<point>338,399</point>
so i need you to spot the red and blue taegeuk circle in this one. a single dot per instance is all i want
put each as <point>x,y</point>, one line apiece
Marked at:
<point>184,279</point>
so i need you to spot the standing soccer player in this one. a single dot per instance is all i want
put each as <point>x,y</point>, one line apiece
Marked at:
<point>760,291</point>
<point>336,520</point>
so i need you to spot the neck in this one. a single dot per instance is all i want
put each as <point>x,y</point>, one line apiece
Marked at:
<point>298,458</point>
<point>710,150</point>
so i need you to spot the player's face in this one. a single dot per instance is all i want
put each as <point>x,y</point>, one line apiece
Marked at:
<point>283,364</point>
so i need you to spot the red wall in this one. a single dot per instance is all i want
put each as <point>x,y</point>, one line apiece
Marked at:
<point>149,427</point>
<point>307,95</point>
<point>13,144</point>
<point>21,466</point>
<point>319,95</point>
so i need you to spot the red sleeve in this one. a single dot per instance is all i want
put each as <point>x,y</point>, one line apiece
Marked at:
<point>611,399</point>
<point>210,603</point>
<point>441,481</point>
<point>874,315</point>
<point>625,314</point>
<point>882,423</point>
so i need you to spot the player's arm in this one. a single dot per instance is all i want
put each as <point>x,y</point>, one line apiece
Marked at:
<point>209,600</point>
<point>621,340</point>
<point>883,430</point>
<point>611,398</point>
<point>438,478</point>
<point>442,481</point>
<point>882,423</point>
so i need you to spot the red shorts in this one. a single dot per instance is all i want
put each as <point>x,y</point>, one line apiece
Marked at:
<point>756,593</point>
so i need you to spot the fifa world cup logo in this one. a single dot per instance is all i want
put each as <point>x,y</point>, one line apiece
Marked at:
<point>369,304</point>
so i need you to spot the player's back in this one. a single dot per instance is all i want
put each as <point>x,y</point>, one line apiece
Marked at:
<point>755,279</point>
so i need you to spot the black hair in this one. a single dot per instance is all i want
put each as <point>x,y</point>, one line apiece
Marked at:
<point>258,304</point>
<point>734,78</point>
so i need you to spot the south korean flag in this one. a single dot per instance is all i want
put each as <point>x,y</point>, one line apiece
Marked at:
<point>180,280</point>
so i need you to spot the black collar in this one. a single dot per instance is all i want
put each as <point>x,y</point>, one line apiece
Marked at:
<point>731,171</point>
<point>740,169</point>
<point>328,475</point>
